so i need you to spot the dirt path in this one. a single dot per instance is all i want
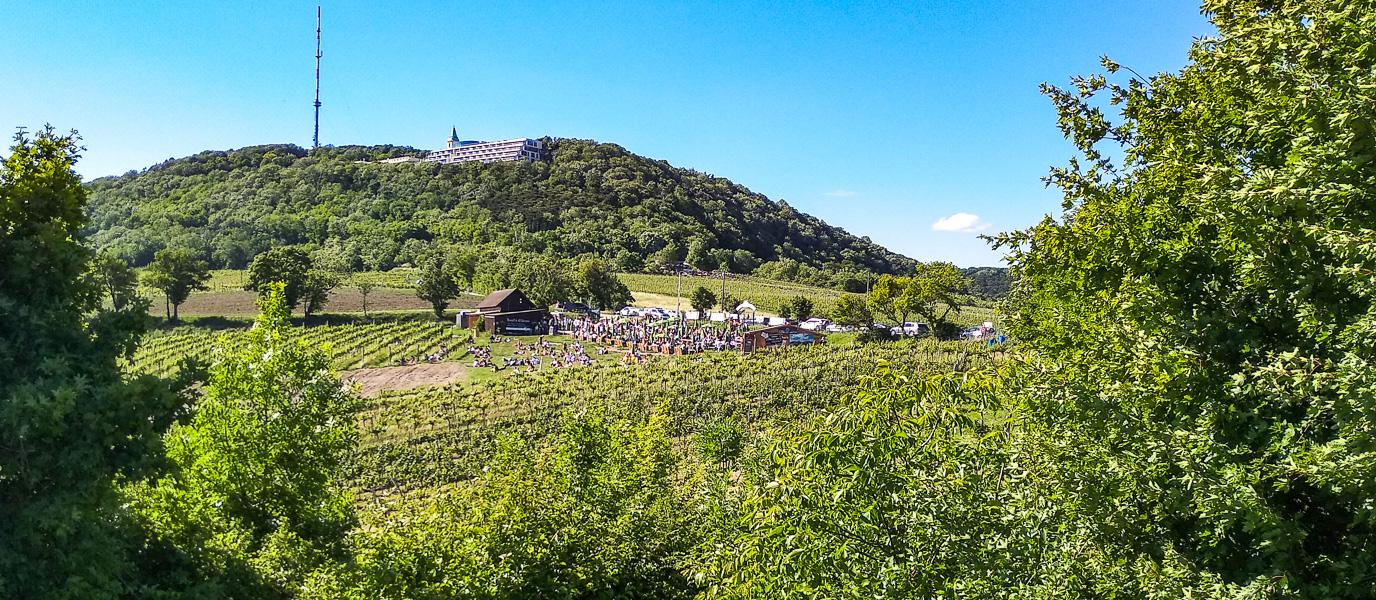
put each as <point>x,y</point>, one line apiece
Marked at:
<point>373,381</point>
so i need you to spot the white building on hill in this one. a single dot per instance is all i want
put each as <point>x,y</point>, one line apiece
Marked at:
<point>469,150</point>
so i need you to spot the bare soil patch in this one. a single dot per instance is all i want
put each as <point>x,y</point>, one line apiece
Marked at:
<point>373,381</point>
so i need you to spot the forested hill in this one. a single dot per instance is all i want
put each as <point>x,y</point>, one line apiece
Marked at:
<point>588,198</point>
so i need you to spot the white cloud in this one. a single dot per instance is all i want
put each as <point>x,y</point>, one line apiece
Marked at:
<point>961,222</point>
<point>841,194</point>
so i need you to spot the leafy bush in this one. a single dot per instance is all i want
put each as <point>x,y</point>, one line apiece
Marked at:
<point>604,511</point>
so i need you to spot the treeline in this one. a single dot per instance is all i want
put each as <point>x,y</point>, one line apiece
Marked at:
<point>593,199</point>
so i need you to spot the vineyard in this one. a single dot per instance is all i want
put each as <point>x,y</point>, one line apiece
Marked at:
<point>348,346</point>
<point>431,437</point>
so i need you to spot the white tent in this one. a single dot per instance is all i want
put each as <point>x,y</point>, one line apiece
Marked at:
<point>744,306</point>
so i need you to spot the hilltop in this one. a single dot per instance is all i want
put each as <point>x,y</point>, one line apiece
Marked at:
<point>586,198</point>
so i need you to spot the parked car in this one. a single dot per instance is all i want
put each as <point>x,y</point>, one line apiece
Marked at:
<point>814,324</point>
<point>911,328</point>
<point>577,307</point>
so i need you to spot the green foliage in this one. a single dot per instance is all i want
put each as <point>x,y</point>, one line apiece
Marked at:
<point>852,311</point>
<point>1203,310</point>
<point>544,280</point>
<point>249,507</point>
<point>119,282</point>
<point>176,272</point>
<point>364,288</point>
<point>721,440</point>
<point>70,422</point>
<point>589,198</point>
<point>436,285</point>
<point>987,283</point>
<point>702,300</point>
<point>933,292</point>
<point>912,489</point>
<point>315,291</point>
<point>350,346</point>
<point>604,511</point>
<point>290,266</point>
<point>797,307</point>
<point>601,287</point>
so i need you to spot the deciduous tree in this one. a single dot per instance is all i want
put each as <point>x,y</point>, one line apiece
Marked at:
<point>118,281</point>
<point>603,289</point>
<point>288,265</point>
<point>851,310</point>
<point>176,272</point>
<point>702,300</point>
<point>436,285</point>
<point>70,421</point>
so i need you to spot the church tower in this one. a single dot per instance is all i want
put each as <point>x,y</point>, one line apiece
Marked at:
<point>454,137</point>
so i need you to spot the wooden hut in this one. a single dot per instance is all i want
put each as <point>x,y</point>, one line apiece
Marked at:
<point>780,336</point>
<point>510,312</point>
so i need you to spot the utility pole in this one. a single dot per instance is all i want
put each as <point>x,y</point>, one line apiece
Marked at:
<point>678,297</point>
<point>316,139</point>
<point>724,309</point>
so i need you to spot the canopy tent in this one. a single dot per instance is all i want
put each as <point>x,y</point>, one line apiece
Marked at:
<point>744,306</point>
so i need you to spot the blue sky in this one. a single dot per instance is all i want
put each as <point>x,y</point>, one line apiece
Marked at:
<point>889,119</point>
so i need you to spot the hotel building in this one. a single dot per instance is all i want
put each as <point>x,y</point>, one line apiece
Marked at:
<point>470,150</point>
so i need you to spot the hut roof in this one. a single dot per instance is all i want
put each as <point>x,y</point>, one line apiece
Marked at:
<point>495,299</point>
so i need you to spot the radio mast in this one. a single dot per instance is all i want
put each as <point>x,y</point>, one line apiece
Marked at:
<point>317,77</point>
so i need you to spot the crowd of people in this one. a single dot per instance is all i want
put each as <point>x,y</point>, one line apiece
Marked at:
<point>482,357</point>
<point>670,335</point>
<point>438,356</point>
<point>663,336</point>
<point>543,353</point>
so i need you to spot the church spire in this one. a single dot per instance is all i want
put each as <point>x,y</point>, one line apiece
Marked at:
<point>454,137</point>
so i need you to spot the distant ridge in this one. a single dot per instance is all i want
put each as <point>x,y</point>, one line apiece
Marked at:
<point>585,198</point>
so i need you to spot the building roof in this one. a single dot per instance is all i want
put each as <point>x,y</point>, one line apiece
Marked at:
<point>495,299</point>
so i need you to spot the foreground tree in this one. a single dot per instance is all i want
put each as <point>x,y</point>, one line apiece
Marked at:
<point>1193,414</point>
<point>70,422</point>
<point>1205,309</point>
<point>251,507</point>
<point>176,272</point>
<point>605,511</point>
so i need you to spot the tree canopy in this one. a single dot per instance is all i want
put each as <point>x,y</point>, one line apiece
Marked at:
<point>70,421</point>
<point>587,199</point>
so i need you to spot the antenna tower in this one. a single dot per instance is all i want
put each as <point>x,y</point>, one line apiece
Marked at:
<point>317,77</point>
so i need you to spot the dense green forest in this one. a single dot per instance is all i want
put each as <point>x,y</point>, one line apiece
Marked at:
<point>588,198</point>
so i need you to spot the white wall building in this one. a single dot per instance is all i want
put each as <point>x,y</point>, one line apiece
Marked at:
<point>470,150</point>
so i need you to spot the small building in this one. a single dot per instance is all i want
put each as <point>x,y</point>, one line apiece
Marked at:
<point>780,336</point>
<point>510,312</point>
